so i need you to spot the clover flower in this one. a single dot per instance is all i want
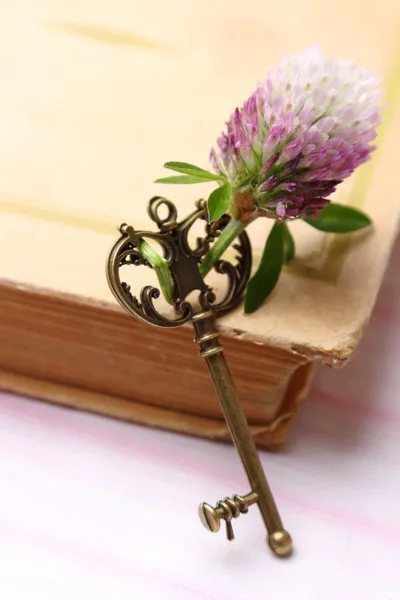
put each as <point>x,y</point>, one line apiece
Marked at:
<point>304,130</point>
<point>301,133</point>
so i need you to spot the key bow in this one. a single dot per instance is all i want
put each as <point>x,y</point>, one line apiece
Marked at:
<point>183,259</point>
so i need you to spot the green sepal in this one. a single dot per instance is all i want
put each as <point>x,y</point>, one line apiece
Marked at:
<point>218,202</point>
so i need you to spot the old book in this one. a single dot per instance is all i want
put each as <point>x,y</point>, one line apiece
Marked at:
<point>94,100</point>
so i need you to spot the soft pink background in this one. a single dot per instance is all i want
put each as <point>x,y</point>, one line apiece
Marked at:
<point>94,508</point>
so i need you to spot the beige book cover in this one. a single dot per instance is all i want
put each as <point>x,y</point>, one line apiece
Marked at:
<point>96,96</point>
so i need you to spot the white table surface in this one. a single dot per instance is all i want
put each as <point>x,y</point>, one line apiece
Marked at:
<point>95,508</point>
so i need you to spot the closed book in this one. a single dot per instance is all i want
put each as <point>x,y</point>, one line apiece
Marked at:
<point>94,100</point>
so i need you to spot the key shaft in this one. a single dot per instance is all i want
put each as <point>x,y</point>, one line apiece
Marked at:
<point>211,350</point>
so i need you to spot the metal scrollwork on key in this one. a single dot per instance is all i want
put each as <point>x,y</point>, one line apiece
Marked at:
<point>183,261</point>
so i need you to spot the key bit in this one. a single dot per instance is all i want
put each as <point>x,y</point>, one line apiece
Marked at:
<point>227,509</point>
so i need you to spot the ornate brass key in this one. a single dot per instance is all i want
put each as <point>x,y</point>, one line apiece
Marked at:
<point>183,261</point>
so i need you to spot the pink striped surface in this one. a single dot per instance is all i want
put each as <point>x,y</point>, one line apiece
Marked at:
<point>94,508</point>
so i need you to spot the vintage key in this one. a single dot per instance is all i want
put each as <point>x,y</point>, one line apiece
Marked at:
<point>183,262</point>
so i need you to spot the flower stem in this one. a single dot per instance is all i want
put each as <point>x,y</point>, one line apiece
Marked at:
<point>231,231</point>
<point>160,266</point>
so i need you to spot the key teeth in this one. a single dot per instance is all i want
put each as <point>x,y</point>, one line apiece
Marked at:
<point>230,536</point>
<point>227,509</point>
